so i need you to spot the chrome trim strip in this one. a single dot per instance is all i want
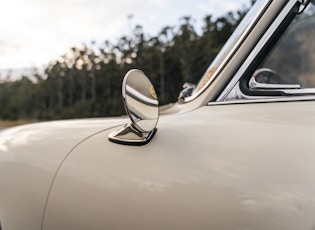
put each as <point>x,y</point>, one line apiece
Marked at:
<point>300,91</point>
<point>232,52</point>
<point>276,23</point>
<point>255,85</point>
<point>264,100</point>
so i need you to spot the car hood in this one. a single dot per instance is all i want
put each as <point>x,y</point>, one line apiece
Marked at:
<point>51,141</point>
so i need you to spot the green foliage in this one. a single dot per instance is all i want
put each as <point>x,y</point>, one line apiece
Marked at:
<point>86,81</point>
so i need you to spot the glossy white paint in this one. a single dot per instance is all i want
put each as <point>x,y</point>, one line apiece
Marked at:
<point>247,166</point>
<point>29,158</point>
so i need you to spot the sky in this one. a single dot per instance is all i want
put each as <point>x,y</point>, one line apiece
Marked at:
<point>34,32</point>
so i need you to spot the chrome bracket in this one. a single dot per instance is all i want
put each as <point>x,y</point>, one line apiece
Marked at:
<point>304,3</point>
<point>130,135</point>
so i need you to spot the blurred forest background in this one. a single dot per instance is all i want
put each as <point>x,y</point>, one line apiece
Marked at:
<point>86,81</point>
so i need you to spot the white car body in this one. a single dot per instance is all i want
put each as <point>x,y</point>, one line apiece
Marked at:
<point>212,164</point>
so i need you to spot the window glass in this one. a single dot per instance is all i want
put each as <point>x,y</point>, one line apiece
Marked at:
<point>289,69</point>
<point>231,44</point>
<point>293,59</point>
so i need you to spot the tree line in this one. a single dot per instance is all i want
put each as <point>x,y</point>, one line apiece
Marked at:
<point>86,80</point>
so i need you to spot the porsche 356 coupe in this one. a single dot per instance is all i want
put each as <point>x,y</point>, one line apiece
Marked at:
<point>237,151</point>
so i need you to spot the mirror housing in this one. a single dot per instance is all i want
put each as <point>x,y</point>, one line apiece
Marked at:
<point>142,107</point>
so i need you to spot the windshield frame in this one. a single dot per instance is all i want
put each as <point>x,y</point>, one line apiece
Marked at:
<point>230,47</point>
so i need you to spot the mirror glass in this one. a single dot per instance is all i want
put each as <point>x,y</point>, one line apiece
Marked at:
<point>140,100</point>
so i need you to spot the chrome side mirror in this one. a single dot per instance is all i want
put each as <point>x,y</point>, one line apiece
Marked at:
<point>142,106</point>
<point>268,80</point>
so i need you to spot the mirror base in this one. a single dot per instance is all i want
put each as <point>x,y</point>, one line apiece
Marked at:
<point>130,135</point>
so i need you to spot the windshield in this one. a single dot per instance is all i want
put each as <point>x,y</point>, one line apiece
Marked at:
<point>232,44</point>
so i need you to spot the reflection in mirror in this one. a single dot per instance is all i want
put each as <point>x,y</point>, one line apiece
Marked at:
<point>142,106</point>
